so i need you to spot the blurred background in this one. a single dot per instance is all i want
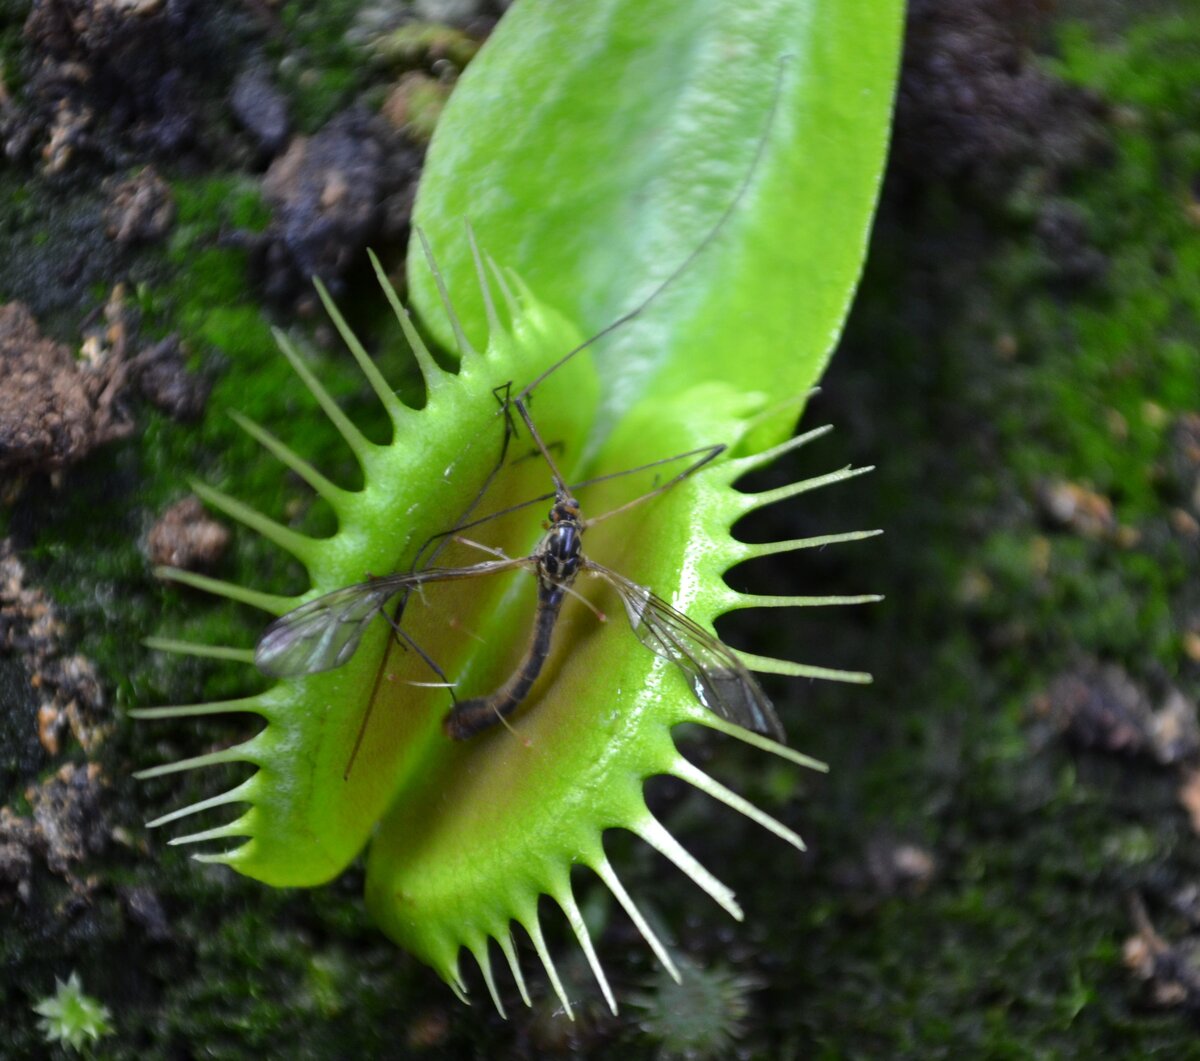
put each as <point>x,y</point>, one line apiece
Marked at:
<point>1003,859</point>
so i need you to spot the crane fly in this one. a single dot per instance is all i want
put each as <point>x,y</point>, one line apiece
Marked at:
<point>324,633</point>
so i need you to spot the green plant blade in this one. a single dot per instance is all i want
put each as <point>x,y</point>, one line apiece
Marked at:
<point>594,145</point>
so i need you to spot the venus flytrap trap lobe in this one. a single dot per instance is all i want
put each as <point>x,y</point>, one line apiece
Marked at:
<point>471,835</point>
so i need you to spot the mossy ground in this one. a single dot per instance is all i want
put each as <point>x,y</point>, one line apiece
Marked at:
<point>970,375</point>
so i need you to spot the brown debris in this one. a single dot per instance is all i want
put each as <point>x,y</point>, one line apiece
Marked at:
<point>66,686</point>
<point>1172,971</point>
<point>1077,508</point>
<point>415,104</point>
<point>1098,706</point>
<point>140,209</point>
<point>54,410</point>
<point>66,811</point>
<point>187,536</point>
<point>889,867</point>
<point>1189,797</point>
<point>67,826</point>
<point>107,76</point>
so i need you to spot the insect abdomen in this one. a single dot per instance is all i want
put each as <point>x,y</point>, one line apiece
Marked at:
<point>469,717</point>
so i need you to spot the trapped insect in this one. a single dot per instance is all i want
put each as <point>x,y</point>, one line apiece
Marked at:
<point>325,632</point>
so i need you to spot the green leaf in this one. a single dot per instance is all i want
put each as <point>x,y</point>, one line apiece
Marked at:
<point>593,145</point>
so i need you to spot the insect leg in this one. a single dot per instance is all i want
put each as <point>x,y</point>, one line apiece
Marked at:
<point>706,456</point>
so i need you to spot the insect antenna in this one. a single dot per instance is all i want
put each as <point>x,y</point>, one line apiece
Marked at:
<point>730,208</point>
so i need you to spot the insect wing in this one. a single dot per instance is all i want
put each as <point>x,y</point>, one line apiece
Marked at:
<point>719,680</point>
<point>325,632</point>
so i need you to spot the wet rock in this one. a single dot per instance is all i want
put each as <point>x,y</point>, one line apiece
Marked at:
<point>54,410</point>
<point>140,209</point>
<point>1065,234</point>
<point>18,844</point>
<point>1099,707</point>
<point>888,867</point>
<point>66,828</point>
<point>1076,508</point>
<point>112,78</point>
<point>260,108</point>
<point>1183,459</point>
<point>187,536</point>
<point>974,104</point>
<point>68,691</point>
<point>1171,970</point>
<point>146,911</point>
<point>332,194</point>
<point>166,383</point>
<point>67,813</point>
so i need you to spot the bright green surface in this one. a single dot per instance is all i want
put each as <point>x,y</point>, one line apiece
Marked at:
<point>593,146</point>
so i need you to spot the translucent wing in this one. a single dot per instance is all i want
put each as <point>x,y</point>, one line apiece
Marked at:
<point>719,680</point>
<point>325,632</point>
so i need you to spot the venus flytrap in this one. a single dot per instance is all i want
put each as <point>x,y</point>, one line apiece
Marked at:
<point>594,196</point>
<point>470,835</point>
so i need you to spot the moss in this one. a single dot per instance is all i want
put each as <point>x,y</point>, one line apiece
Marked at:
<point>323,67</point>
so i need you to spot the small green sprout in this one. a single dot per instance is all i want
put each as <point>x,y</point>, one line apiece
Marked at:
<point>71,1017</point>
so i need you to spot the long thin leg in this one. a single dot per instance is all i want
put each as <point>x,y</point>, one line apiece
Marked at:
<point>709,454</point>
<point>582,484</point>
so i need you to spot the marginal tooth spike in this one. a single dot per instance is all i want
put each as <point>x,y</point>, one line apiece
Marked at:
<point>771,600</point>
<point>768,665</point>
<point>198,648</point>
<point>222,858</point>
<point>579,927</point>
<point>489,307</point>
<point>345,426</point>
<point>782,493</point>
<point>753,550</point>
<point>455,982</point>
<point>696,777</point>
<point>742,465</point>
<point>484,960</point>
<point>271,603</point>
<point>607,874</point>
<point>238,794</point>
<point>300,546</point>
<point>509,949</point>
<point>394,407</point>
<point>330,491</point>
<point>238,827</point>
<point>465,349</point>
<point>225,755</point>
<point>534,929</point>
<point>510,300</point>
<point>433,374</point>
<point>250,704</point>
<point>793,401</point>
<point>659,837</point>
<point>756,740</point>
